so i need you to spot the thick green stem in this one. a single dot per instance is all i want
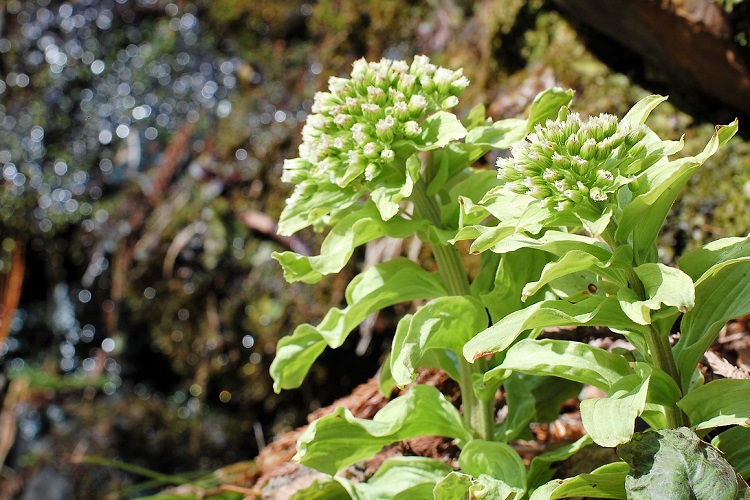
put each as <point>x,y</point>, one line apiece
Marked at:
<point>658,342</point>
<point>478,413</point>
<point>661,355</point>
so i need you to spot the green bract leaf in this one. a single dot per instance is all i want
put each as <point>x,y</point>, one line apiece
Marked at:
<point>663,285</point>
<point>403,478</point>
<point>718,403</point>
<point>340,439</point>
<point>547,105</point>
<point>608,481</point>
<point>696,262</point>
<point>657,188</point>
<point>388,198</point>
<point>499,135</point>
<point>735,446</point>
<point>437,131</point>
<point>312,207</point>
<point>357,228</point>
<point>593,311</point>
<point>638,113</point>
<point>674,464</point>
<point>392,282</point>
<point>611,421</point>
<point>444,323</point>
<point>721,294</point>
<point>567,359</point>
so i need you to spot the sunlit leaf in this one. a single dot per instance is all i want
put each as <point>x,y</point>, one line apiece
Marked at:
<point>640,111</point>
<point>357,228</point>
<point>593,311</point>
<point>444,323</point>
<point>497,460</point>
<point>341,439</point>
<point>566,359</point>
<point>663,285</point>
<point>696,262</point>
<point>404,478</point>
<point>722,293</point>
<point>734,444</point>
<point>499,135</point>
<point>718,403</point>
<point>608,481</point>
<point>437,131</point>
<point>676,464</point>
<point>455,486</point>
<point>611,421</point>
<point>546,106</point>
<point>655,191</point>
<point>392,282</point>
<point>306,211</point>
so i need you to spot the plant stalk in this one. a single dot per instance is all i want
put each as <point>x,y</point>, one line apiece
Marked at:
<point>658,343</point>
<point>661,356</point>
<point>478,413</point>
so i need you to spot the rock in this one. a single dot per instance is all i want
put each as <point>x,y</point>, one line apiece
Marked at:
<point>690,39</point>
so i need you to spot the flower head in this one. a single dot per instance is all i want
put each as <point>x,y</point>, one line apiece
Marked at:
<point>570,160</point>
<point>351,137</point>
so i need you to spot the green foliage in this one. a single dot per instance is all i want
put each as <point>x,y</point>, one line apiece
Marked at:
<point>568,235</point>
<point>675,464</point>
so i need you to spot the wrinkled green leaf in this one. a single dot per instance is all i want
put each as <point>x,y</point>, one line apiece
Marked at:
<point>675,464</point>
<point>611,421</point>
<point>444,323</point>
<point>593,311</point>
<point>718,403</point>
<point>608,481</point>
<point>570,360</point>
<point>721,294</point>
<point>355,229</point>
<point>392,282</point>
<point>735,447</point>
<point>341,439</point>
<point>546,106</point>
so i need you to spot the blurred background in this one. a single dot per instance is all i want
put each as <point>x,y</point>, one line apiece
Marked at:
<point>141,147</point>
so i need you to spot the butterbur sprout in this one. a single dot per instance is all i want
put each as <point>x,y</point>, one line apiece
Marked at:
<point>570,160</point>
<point>358,128</point>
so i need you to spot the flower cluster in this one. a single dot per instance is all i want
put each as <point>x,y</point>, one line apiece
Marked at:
<point>354,126</point>
<point>570,160</point>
